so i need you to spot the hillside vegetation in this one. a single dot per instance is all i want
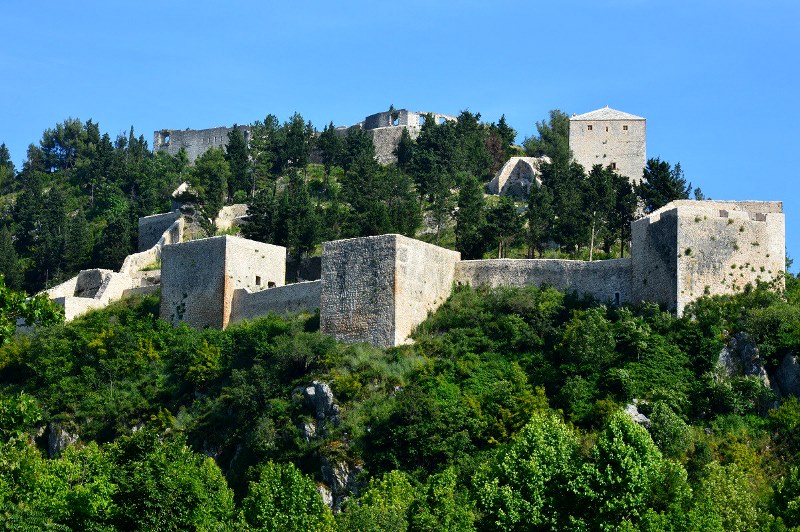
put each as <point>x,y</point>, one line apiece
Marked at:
<point>506,413</point>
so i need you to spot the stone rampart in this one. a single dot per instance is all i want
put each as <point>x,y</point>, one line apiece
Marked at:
<point>198,278</point>
<point>605,280</point>
<point>377,289</point>
<point>298,297</point>
<point>151,228</point>
<point>195,141</point>
<point>689,249</point>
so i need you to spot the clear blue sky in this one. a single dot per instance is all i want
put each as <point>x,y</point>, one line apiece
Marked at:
<point>718,81</point>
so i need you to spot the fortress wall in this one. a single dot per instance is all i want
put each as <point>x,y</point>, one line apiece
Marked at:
<point>654,252</point>
<point>299,297</point>
<point>254,265</point>
<point>76,306</point>
<point>721,250</point>
<point>195,141</point>
<point>424,276</point>
<point>386,140</point>
<point>151,228</point>
<point>357,295</point>
<point>602,279</point>
<point>193,283</point>
<point>607,142</point>
<point>198,278</point>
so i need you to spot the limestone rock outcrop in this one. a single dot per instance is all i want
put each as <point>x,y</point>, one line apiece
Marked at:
<point>58,439</point>
<point>741,358</point>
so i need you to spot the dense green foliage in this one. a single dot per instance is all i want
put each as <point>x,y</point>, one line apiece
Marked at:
<point>504,414</point>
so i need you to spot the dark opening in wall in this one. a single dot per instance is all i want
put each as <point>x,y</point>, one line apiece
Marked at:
<point>258,280</point>
<point>616,298</point>
<point>395,120</point>
<point>166,140</point>
<point>624,128</point>
<point>613,166</point>
<point>589,127</point>
<point>441,120</point>
<point>271,284</point>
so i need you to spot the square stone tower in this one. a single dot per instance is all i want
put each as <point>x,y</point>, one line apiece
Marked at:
<point>377,289</point>
<point>610,138</point>
<point>688,249</point>
<point>198,278</point>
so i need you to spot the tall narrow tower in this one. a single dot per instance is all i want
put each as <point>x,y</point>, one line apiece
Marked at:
<point>610,138</point>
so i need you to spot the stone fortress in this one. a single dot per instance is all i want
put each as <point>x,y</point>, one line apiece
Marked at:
<point>384,128</point>
<point>378,289</point>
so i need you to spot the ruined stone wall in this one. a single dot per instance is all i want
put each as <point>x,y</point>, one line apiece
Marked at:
<point>230,215</point>
<point>386,128</point>
<point>605,280</point>
<point>299,297</point>
<point>516,176</point>
<point>386,140</point>
<point>151,228</point>
<point>609,143</point>
<point>195,141</point>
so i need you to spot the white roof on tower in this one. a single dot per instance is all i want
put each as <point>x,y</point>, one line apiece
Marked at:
<point>606,113</point>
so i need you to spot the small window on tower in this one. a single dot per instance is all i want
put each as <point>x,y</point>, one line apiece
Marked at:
<point>258,280</point>
<point>624,128</point>
<point>606,129</point>
<point>589,127</point>
<point>613,166</point>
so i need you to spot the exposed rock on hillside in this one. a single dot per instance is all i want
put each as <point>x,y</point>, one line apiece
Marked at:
<point>741,358</point>
<point>58,439</point>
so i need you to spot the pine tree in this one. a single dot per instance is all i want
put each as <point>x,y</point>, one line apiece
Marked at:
<point>404,150</point>
<point>662,183</point>
<point>541,218</point>
<point>236,153</point>
<point>470,219</point>
<point>261,217</point>
<point>299,223</point>
<point>78,243</point>
<point>505,224</point>
<point>330,146</point>
<point>7,171</point>
<point>210,178</point>
<point>9,263</point>
<point>115,241</point>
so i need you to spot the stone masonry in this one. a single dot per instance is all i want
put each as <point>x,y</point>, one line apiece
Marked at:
<point>610,138</point>
<point>199,278</point>
<point>377,289</point>
<point>689,248</point>
<point>195,141</point>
